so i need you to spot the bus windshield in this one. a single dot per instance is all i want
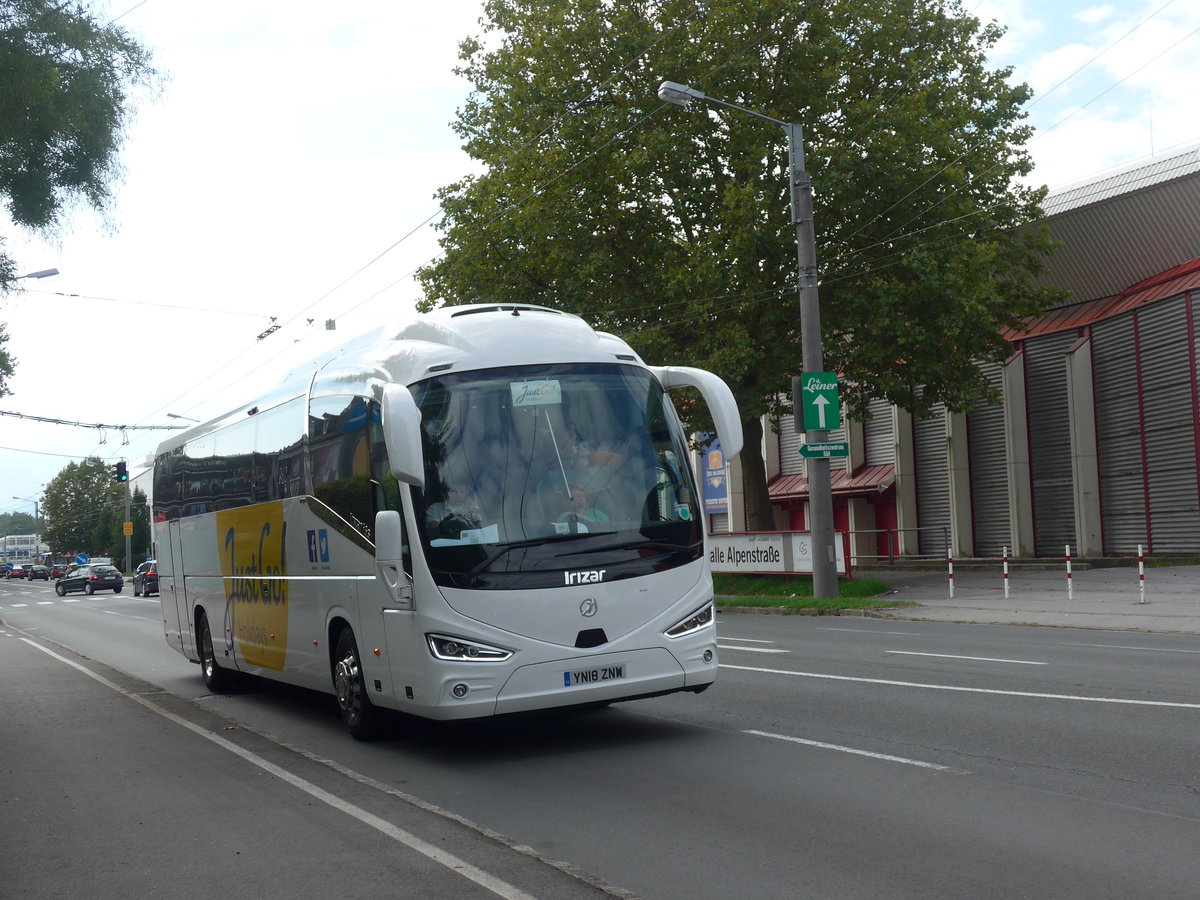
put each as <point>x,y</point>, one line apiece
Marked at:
<point>536,471</point>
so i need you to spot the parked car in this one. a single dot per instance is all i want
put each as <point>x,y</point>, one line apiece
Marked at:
<point>145,579</point>
<point>36,572</point>
<point>90,579</point>
<point>16,571</point>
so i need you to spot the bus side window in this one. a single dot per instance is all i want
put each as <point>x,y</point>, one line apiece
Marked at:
<point>339,451</point>
<point>384,486</point>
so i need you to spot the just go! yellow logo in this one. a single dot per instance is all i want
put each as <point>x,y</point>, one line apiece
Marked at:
<point>253,552</point>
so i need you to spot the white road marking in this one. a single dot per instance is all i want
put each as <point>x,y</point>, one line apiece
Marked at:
<point>865,630</point>
<point>965,690</point>
<point>745,640</point>
<point>1123,647</point>
<point>448,860</point>
<point>721,646</point>
<point>1020,662</point>
<point>882,756</point>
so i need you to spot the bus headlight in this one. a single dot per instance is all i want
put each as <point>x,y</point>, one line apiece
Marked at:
<point>701,618</point>
<point>460,650</point>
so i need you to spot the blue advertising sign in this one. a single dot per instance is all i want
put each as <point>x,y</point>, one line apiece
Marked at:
<point>716,480</point>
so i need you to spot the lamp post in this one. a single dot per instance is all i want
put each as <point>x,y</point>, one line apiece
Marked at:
<point>184,418</point>
<point>820,493</point>
<point>41,273</point>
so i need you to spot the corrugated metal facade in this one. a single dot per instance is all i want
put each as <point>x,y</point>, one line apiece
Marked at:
<point>1118,433</point>
<point>1168,429</point>
<point>933,482</point>
<point>989,473</point>
<point>790,462</point>
<point>878,436</point>
<point>1050,442</point>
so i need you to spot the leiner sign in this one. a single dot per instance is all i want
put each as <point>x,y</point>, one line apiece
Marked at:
<point>822,407</point>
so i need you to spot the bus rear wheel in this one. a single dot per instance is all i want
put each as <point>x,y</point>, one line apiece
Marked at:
<point>359,715</point>
<point>216,679</point>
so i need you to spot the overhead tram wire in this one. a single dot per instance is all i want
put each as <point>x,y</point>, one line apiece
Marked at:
<point>1040,134</point>
<point>1069,115</point>
<point>729,61</point>
<point>418,227</point>
<point>538,190</point>
<point>174,306</point>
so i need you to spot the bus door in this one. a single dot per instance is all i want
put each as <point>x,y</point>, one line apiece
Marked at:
<point>176,609</point>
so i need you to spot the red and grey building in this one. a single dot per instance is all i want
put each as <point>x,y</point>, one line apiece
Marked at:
<point>1096,444</point>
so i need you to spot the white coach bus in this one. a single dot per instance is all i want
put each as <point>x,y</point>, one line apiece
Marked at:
<point>487,509</point>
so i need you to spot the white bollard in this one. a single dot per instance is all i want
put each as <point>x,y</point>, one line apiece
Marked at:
<point>950,565</point>
<point>1070,586</point>
<point>1141,575</point>
<point>1005,573</point>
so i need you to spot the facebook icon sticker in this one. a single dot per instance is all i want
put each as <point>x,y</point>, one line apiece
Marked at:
<point>318,546</point>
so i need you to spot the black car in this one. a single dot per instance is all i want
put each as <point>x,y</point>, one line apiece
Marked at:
<point>90,579</point>
<point>145,579</point>
<point>36,572</point>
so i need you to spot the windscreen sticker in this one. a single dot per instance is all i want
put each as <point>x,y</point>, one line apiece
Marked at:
<point>536,393</point>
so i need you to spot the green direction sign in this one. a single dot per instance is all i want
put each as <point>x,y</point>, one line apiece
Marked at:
<point>819,399</point>
<point>824,451</point>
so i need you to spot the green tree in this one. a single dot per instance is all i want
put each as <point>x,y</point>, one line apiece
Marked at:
<point>78,501</point>
<point>17,523</point>
<point>67,82</point>
<point>142,542</point>
<point>673,228</point>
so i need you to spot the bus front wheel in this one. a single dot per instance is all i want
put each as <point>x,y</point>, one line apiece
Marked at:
<point>216,679</point>
<point>358,713</point>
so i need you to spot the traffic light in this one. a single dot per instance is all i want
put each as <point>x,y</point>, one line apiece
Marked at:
<point>121,472</point>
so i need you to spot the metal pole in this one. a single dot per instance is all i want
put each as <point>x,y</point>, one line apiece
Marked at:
<point>128,539</point>
<point>820,491</point>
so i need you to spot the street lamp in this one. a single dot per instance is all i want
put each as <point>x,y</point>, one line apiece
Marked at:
<point>185,418</point>
<point>42,273</point>
<point>820,492</point>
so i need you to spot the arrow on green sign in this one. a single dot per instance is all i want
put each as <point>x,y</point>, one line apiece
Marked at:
<point>822,406</point>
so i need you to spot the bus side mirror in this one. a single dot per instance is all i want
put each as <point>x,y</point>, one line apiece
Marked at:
<point>389,557</point>
<point>402,435</point>
<point>717,395</point>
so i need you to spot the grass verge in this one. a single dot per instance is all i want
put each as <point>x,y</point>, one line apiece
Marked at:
<point>795,592</point>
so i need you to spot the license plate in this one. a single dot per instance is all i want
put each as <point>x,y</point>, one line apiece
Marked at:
<point>594,675</point>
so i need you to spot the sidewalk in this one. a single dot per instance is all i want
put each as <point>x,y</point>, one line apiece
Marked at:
<point>1106,598</point>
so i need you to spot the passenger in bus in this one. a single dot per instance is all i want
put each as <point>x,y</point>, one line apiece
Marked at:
<point>458,513</point>
<point>581,510</point>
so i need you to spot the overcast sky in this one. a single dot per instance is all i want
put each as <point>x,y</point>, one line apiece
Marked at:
<point>293,144</point>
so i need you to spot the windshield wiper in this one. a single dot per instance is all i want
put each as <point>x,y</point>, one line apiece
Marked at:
<point>488,560</point>
<point>631,545</point>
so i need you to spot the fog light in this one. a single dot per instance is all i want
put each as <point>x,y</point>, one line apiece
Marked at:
<point>460,690</point>
<point>708,656</point>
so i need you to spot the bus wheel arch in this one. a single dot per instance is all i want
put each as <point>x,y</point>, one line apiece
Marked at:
<point>359,715</point>
<point>216,679</point>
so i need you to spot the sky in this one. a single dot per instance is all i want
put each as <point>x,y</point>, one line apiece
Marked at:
<point>285,174</point>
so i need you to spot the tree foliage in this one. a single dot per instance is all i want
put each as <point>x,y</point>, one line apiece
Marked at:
<point>673,228</point>
<point>79,506</point>
<point>18,523</point>
<point>67,83</point>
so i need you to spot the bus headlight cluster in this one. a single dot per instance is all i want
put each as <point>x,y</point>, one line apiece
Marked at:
<point>460,650</point>
<point>701,618</point>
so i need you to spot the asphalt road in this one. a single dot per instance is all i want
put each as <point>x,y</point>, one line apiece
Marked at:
<point>836,757</point>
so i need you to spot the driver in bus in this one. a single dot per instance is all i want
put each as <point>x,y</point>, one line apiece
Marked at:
<point>581,511</point>
<point>458,513</point>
